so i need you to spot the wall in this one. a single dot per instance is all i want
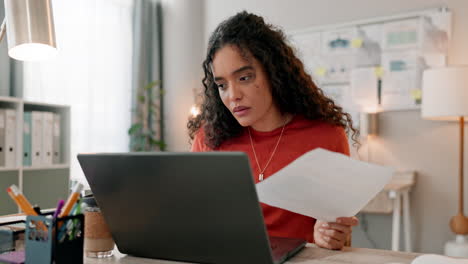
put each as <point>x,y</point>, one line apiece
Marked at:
<point>182,57</point>
<point>405,141</point>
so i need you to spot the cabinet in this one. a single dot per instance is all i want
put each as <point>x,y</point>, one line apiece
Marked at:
<point>43,185</point>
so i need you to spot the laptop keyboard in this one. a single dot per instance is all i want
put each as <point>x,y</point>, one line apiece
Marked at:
<point>283,248</point>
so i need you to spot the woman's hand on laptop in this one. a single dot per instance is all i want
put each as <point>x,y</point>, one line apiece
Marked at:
<point>333,235</point>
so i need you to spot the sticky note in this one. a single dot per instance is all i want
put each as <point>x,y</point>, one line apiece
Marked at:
<point>320,71</point>
<point>356,43</point>
<point>416,94</point>
<point>379,71</point>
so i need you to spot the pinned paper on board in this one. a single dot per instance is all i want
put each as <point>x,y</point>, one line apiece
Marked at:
<point>398,49</point>
<point>403,74</point>
<point>341,96</point>
<point>321,71</point>
<point>379,71</point>
<point>428,34</point>
<point>357,42</point>
<point>337,93</point>
<point>416,94</point>
<point>369,52</point>
<point>402,34</point>
<point>338,41</point>
<point>307,46</point>
<point>308,49</point>
<point>338,69</point>
<point>365,89</point>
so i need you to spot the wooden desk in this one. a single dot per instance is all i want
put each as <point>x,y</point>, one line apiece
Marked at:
<point>309,255</point>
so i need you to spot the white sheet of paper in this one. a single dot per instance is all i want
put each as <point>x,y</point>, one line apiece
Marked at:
<point>438,259</point>
<point>324,185</point>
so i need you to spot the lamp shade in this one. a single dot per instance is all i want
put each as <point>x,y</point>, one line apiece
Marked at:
<point>445,93</point>
<point>30,29</point>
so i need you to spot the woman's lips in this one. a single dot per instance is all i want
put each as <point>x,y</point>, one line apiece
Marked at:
<point>241,111</point>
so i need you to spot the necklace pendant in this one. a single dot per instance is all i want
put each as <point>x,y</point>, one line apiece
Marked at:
<point>260,177</point>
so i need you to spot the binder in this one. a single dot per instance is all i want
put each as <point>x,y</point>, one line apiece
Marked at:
<point>10,138</point>
<point>36,138</point>
<point>2,138</point>
<point>27,139</point>
<point>57,157</point>
<point>47,137</point>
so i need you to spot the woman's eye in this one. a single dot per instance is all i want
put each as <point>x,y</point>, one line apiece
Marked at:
<point>221,86</point>
<point>245,78</point>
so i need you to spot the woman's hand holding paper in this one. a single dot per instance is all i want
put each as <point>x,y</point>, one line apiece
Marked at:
<point>333,235</point>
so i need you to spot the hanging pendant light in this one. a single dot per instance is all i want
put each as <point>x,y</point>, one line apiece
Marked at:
<point>30,29</point>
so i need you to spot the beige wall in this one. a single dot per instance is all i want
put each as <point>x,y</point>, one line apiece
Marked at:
<point>183,24</point>
<point>406,141</point>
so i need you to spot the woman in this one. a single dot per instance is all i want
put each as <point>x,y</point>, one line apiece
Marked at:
<point>258,99</point>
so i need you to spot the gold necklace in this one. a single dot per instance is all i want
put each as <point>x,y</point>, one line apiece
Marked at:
<point>260,176</point>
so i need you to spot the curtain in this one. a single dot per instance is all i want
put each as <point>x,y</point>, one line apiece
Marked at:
<point>147,73</point>
<point>92,74</point>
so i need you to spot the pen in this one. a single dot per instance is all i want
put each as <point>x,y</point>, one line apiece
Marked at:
<point>23,203</point>
<point>59,208</point>
<point>72,199</point>
<point>75,226</point>
<point>20,200</point>
<point>64,229</point>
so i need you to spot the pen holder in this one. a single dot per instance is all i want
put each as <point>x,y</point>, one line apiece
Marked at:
<point>56,241</point>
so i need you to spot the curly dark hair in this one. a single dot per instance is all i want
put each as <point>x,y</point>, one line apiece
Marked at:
<point>293,90</point>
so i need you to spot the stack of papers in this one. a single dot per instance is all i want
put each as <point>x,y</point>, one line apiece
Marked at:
<point>324,185</point>
<point>438,259</point>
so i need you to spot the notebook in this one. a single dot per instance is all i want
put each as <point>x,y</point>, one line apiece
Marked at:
<point>194,207</point>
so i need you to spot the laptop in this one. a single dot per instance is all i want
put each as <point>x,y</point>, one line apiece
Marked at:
<point>194,207</point>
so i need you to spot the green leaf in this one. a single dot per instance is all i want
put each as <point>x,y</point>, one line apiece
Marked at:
<point>134,128</point>
<point>150,85</point>
<point>154,141</point>
<point>162,145</point>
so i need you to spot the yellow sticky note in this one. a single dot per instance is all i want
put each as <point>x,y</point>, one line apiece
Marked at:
<point>320,71</point>
<point>379,71</point>
<point>356,43</point>
<point>416,94</point>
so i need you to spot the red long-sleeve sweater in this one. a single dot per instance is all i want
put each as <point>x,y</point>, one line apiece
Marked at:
<point>300,136</point>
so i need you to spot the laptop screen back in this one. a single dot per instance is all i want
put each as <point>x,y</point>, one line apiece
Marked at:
<point>197,207</point>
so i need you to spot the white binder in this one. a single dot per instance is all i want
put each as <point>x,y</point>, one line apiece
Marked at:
<point>36,138</point>
<point>10,138</point>
<point>47,137</point>
<point>57,153</point>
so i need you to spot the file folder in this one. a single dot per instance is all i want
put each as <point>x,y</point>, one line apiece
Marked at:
<point>47,136</point>
<point>27,139</point>
<point>2,138</point>
<point>10,138</point>
<point>57,157</point>
<point>36,138</point>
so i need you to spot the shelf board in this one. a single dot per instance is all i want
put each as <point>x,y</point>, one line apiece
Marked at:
<point>30,103</point>
<point>10,99</point>
<point>48,167</point>
<point>8,169</point>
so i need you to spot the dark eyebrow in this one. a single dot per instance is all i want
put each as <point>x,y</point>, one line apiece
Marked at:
<point>241,69</point>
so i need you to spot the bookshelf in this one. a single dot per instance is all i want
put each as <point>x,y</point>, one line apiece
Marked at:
<point>43,185</point>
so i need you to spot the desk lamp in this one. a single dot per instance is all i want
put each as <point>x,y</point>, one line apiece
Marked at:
<point>445,97</point>
<point>30,28</point>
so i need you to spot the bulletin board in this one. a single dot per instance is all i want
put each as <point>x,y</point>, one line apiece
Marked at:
<point>375,65</point>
